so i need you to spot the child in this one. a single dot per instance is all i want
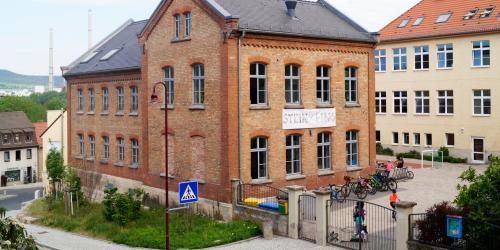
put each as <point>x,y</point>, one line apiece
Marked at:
<point>393,198</point>
<point>388,168</point>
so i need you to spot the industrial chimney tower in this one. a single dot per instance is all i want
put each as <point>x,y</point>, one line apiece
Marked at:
<point>51,61</point>
<point>90,29</point>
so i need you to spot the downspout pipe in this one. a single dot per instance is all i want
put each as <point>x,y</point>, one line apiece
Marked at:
<point>240,174</point>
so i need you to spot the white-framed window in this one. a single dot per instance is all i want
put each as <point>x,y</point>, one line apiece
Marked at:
<point>406,138</point>
<point>81,141</point>
<point>6,156</point>
<point>380,102</point>
<point>400,102</point>
<point>80,100</point>
<point>428,140</point>
<point>400,58</point>
<point>17,138</point>
<point>105,147</point>
<point>120,94</point>
<point>422,102</point>
<point>258,151</point>
<point>380,60</point>
<point>404,23</point>
<point>18,155</point>
<point>105,100</point>
<point>351,85</point>
<point>419,20</point>
<point>293,154</point>
<point>29,153</point>
<point>91,100</point>
<point>482,102</point>
<point>395,138</point>
<point>187,24</point>
<point>134,99</point>
<point>416,139</point>
<point>445,101</point>
<point>28,138</point>
<point>323,84</point>
<point>445,56</point>
<point>177,25</point>
<point>481,53</point>
<point>450,139</point>
<point>324,150</point>
<point>6,139</point>
<point>421,57</point>
<point>443,18</point>
<point>91,146</point>
<point>135,152</point>
<point>198,84</point>
<point>377,136</point>
<point>121,149</point>
<point>169,83</point>
<point>258,84</point>
<point>292,84</point>
<point>352,148</point>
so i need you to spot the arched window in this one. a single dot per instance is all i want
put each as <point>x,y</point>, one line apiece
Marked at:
<point>324,150</point>
<point>258,151</point>
<point>352,148</point>
<point>187,24</point>
<point>169,83</point>
<point>351,85</point>
<point>105,100</point>
<point>323,84</point>
<point>293,151</point>
<point>258,84</point>
<point>198,84</point>
<point>292,84</point>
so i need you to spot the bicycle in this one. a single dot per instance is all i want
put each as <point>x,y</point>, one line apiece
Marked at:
<point>336,193</point>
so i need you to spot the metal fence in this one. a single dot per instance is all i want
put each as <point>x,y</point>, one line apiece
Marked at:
<point>431,229</point>
<point>263,196</point>
<point>307,217</point>
<point>349,228</point>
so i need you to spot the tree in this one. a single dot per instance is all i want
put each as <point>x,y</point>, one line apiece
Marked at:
<point>481,195</point>
<point>34,111</point>
<point>55,168</point>
<point>56,103</point>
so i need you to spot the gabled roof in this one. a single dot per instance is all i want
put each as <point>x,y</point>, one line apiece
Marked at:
<point>312,19</point>
<point>455,25</point>
<point>10,121</point>
<point>39,128</point>
<point>128,57</point>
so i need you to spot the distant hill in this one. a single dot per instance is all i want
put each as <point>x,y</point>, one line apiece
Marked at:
<point>9,77</point>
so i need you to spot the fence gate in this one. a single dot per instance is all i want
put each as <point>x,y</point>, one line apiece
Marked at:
<point>377,227</point>
<point>307,217</point>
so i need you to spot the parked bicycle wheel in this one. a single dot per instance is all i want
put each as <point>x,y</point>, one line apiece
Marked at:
<point>410,174</point>
<point>392,184</point>
<point>346,189</point>
<point>372,190</point>
<point>361,192</point>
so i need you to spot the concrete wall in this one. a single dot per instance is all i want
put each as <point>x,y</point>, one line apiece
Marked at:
<point>462,79</point>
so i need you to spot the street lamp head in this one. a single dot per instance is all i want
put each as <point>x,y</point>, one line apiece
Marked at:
<point>154,97</point>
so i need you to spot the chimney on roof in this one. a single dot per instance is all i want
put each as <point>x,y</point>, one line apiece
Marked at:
<point>290,6</point>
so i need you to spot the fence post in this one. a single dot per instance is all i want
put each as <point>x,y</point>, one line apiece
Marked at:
<point>293,210</point>
<point>234,186</point>
<point>322,197</point>
<point>403,210</point>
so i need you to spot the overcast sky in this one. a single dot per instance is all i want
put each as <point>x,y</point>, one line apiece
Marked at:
<point>25,24</point>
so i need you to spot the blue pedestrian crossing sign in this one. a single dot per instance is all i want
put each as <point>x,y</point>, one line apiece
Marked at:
<point>188,192</point>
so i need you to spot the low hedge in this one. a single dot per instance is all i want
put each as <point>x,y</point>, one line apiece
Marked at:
<point>446,156</point>
<point>384,151</point>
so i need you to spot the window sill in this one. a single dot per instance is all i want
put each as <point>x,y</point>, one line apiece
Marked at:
<point>325,172</point>
<point>169,107</point>
<point>91,159</point>
<point>119,114</point>
<point>422,114</point>
<point>90,113</point>
<point>381,71</point>
<point>444,68</point>
<point>420,70</point>
<point>399,70</point>
<point>133,166</point>
<point>260,181</point>
<point>406,145</point>
<point>80,113</point>
<point>352,169</point>
<point>178,40</point>
<point>445,114</point>
<point>324,105</point>
<point>197,107</point>
<point>198,180</point>
<point>401,114</point>
<point>352,105</point>
<point>104,113</point>
<point>133,114</point>
<point>381,113</point>
<point>79,157</point>
<point>480,67</point>
<point>450,146</point>
<point>103,161</point>
<point>119,164</point>
<point>293,106</point>
<point>259,107</point>
<point>479,115</point>
<point>294,177</point>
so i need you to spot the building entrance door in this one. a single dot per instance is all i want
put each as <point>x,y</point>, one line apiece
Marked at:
<point>478,154</point>
<point>29,174</point>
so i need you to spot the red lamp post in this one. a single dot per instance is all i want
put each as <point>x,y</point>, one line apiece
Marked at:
<point>154,98</point>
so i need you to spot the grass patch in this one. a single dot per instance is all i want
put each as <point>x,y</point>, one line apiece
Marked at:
<point>186,230</point>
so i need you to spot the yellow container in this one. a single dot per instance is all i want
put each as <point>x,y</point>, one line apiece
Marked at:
<point>283,206</point>
<point>253,201</point>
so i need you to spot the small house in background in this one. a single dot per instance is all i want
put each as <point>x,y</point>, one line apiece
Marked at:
<point>18,149</point>
<point>39,128</point>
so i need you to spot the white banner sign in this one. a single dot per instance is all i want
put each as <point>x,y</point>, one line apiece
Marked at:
<point>309,118</point>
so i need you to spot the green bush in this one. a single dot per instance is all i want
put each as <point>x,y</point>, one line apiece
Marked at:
<point>122,207</point>
<point>411,154</point>
<point>14,236</point>
<point>445,150</point>
<point>2,212</point>
<point>383,151</point>
<point>446,156</point>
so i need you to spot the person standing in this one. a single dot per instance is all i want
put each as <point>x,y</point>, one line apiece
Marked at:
<point>393,198</point>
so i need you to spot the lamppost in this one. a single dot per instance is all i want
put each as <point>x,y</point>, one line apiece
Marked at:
<point>154,98</point>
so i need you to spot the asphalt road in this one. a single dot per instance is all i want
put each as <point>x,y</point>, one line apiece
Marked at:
<point>16,196</point>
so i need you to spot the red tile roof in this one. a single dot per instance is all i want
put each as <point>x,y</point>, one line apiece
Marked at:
<point>456,25</point>
<point>39,128</point>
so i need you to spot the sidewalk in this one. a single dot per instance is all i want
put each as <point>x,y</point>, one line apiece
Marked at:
<point>277,243</point>
<point>22,186</point>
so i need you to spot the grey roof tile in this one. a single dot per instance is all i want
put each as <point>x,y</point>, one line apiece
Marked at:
<point>313,19</point>
<point>128,57</point>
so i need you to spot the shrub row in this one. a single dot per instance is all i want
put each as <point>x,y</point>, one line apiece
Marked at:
<point>445,158</point>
